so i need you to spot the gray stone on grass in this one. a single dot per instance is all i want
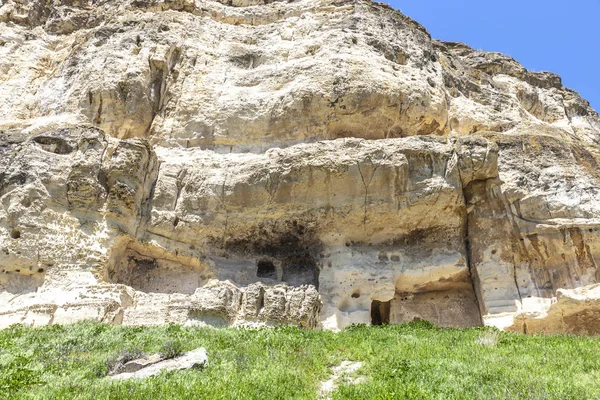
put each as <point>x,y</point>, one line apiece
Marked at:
<point>193,359</point>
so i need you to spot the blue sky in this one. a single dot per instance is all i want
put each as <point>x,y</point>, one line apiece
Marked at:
<point>558,36</point>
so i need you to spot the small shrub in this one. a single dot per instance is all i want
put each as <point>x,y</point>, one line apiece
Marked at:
<point>356,327</point>
<point>171,348</point>
<point>419,324</point>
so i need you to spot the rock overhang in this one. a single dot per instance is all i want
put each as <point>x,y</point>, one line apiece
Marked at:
<point>315,145</point>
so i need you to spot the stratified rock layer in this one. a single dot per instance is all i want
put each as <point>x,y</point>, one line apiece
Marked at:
<point>317,163</point>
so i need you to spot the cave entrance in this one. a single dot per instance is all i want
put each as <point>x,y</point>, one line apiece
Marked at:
<point>380,312</point>
<point>150,269</point>
<point>300,270</point>
<point>266,269</point>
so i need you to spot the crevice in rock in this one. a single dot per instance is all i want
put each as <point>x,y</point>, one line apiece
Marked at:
<point>160,71</point>
<point>260,304</point>
<point>156,87</point>
<point>98,118</point>
<point>515,234</point>
<point>54,145</point>
<point>103,180</point>
<point>366,187</point>
<point>222,201</point>
<point>150,180</point>
<point>180,184</point>
<point>366,184</point>
<point>517,282</point>
<point>473,278</point>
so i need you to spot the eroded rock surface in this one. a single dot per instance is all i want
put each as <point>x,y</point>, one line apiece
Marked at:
<point>317,163</point>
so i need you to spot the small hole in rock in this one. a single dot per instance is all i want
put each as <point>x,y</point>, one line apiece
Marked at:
<point>40,270</point>
<point>266,269</point>
<point>54,145</point>
<point>15,233</point>
<point>355,295</point>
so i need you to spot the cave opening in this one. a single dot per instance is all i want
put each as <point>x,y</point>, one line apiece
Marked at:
<point>152,270</point>
<point>380,312</point>
<point>300,270</point>
<point>266,269</point>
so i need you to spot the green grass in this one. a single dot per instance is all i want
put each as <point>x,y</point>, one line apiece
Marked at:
<point>412,361</point>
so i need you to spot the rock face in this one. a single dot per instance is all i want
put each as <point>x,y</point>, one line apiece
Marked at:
<point>317,162</point>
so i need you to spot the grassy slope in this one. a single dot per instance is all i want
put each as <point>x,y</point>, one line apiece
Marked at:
<point>400,362</point>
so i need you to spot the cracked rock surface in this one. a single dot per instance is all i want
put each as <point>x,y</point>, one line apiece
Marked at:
<point>316,162</point>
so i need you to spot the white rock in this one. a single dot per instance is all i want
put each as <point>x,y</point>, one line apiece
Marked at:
<point>193,359</point>
<point>316,163</point>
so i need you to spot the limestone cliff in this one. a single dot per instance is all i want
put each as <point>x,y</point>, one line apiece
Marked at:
<point>314,162</point>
